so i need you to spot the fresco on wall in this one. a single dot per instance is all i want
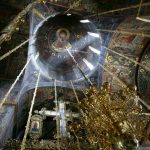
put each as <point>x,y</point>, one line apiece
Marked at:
<point>31,72</point>
<point>127,45</point>
<point>143,76</point>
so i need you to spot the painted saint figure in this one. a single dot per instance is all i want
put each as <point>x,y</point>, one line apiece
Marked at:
<point>61,43</point>
<point>35,126</point>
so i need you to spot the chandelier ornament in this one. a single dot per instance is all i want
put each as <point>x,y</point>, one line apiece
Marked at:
<point>111,121</point>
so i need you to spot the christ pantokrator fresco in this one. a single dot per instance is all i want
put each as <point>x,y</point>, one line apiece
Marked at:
<point>61,43</point>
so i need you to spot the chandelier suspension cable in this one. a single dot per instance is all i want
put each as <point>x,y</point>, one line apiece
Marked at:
<point>16,22</point>
<point>139,10</point>
<point>57,117</point>
<point>114,76</point>
<point>123,85</point>
<point>138,14</point>
<point>137,63</point>
<point>120,9</point>
<point>12,86</point>
<point>75,92</point>
<point>78,142</point>
<point>84,93</point>
<point>14,49</point>
<point>30,114</point>
<point>73,5</point>
<point>142,34</point>
<point>85,77</point>
<point>38,13</point>
<point>144,103</point>
<point>83,114</point>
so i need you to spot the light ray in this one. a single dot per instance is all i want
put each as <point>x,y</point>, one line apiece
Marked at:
<point>76,72</point>
<point>85,21</point>
<point>79,51</point>
<point>30,114</point>
<point>12,86</point>
<point>94,50</point>
<point>94,34</point>
<point>68,14</point>
<point>89,65</point>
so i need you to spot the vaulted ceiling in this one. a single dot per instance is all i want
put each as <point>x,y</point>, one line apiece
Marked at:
<point>11,66</point>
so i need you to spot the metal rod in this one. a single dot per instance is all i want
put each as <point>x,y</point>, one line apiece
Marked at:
<point>38,13</point>
<point>13,50</point>
<point>73,5</point>
<point>115,77</point>
<point>83,114</point>
<point>11,28</point>
<point>75,92</point>
<point>124,85</point>
<point>85,77</point>
<point>144,103</point>
<point>78,142</point>
<point>143,19</point>
<point>125,32</point>
<point>137,63</point>
<point>119,9</point>
<point>57,116</point>
<point>138,14</point>
<point>139,10</point>
<point>30,114</point>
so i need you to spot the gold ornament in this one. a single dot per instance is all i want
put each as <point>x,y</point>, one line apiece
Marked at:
<point>111,121</point>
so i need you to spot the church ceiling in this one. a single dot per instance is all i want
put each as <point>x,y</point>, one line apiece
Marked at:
<point>133,45</point>
<point>123,37</point>
<point>9,9</point>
